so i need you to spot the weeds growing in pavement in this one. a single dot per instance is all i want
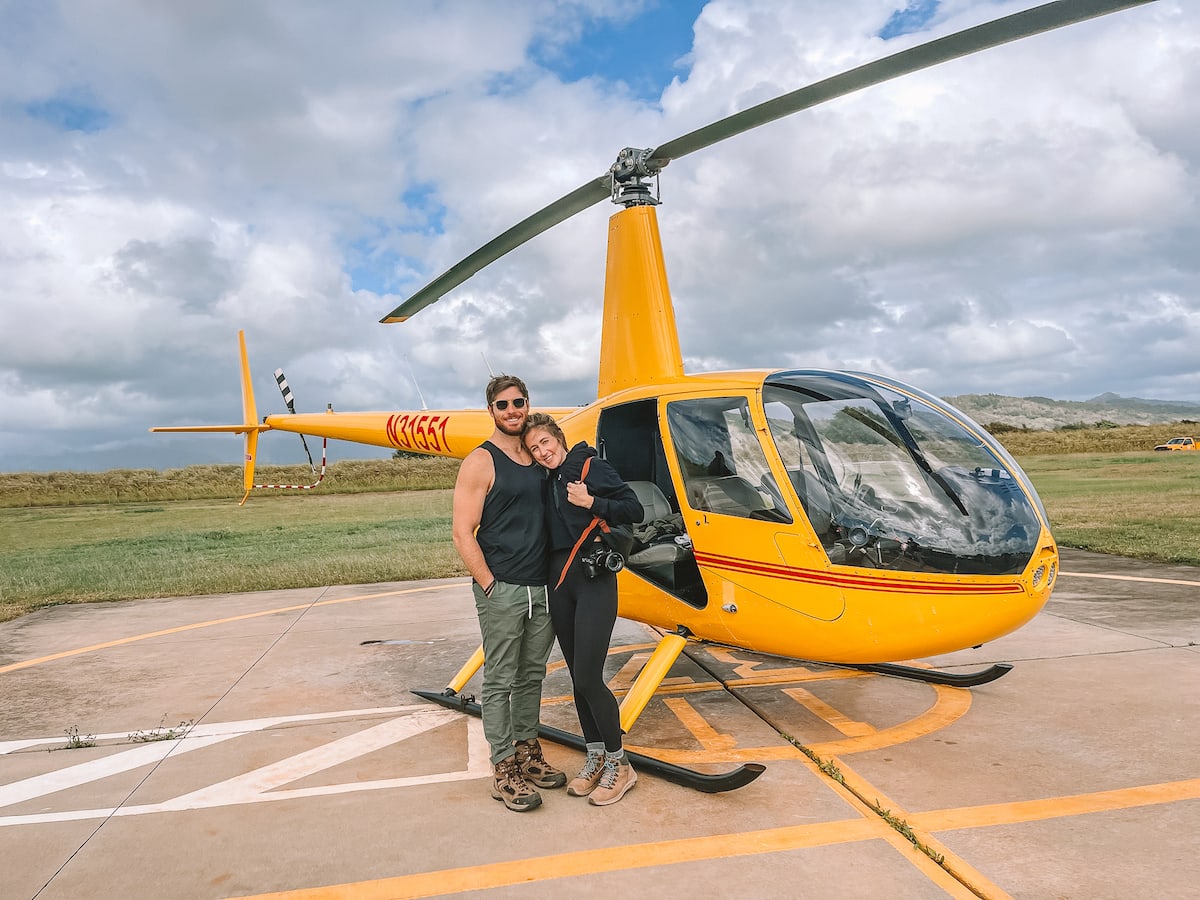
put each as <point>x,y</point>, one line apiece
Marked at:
<point>159,733</point>
<point>75,741</point>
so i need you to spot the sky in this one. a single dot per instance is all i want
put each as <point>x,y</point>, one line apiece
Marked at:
<point>1023,221</point>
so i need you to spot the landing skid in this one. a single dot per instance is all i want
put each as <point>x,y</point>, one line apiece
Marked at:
<point>934,676</point>
<point>700,781</point>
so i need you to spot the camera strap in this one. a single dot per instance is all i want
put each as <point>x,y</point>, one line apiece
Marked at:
<point>596,520</point>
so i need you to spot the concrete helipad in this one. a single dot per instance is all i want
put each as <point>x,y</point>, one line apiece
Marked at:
<point>267,743</point>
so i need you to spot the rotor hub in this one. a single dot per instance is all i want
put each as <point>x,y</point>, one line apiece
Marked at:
<point>629,176</point>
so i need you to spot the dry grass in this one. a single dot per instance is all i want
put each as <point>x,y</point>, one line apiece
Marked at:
<point>1116,439</point>
<point>82,554</point>
<point>1141,505</point>
<point>31,489</point>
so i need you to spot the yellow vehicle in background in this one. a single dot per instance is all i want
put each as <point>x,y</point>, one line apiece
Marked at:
<point>1179,443</point>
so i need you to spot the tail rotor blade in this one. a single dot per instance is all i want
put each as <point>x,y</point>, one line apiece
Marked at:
<point>290,400</point>
<point>285,390</point>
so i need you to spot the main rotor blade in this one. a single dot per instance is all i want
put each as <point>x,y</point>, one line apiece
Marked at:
<point>559,211</point>
<point>963,43</point>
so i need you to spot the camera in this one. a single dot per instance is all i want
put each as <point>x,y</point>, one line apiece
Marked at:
<point>602,559</point>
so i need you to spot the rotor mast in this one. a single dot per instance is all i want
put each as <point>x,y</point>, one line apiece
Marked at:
<point>639,343</point>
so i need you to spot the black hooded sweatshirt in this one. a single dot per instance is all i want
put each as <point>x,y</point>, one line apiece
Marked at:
<point>615,501</point>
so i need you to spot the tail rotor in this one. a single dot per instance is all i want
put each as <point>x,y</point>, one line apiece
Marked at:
<point>290,400</point>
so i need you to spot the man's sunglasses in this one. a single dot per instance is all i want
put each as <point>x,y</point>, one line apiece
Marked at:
<point>502,405</point>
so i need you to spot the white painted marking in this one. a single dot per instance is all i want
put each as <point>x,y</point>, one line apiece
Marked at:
<point>94,770</point>
<point>14,746</point>
<point>260,785</point>
<point>268,778</point>
<point>233,728</point>
<point>1131,578</point>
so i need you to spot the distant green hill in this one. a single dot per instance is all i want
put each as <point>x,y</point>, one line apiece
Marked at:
<point>1042,413</point>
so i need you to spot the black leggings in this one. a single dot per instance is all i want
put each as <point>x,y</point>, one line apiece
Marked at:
<point>584,612</point>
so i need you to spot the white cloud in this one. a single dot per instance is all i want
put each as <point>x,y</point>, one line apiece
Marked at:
<point>1022,221</point>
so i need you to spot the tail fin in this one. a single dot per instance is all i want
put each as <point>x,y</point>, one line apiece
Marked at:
<point>249,426</point>
<point>250,418</point>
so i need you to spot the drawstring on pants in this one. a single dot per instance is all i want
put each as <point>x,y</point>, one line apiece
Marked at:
<point>529,597</point>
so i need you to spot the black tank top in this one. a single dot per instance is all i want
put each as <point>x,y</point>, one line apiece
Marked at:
<point>512,529</point>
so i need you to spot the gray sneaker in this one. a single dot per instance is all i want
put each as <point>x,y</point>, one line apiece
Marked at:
<point>615,781</point>
<point>589,776</point>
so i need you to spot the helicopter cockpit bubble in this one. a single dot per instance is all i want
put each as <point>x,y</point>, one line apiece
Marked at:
<point>892,478</point>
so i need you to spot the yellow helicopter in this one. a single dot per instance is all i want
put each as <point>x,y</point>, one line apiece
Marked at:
<point>834,516</point>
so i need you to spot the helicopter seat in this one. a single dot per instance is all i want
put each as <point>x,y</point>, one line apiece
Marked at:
<point>729,494</point>
<point>660,553</point>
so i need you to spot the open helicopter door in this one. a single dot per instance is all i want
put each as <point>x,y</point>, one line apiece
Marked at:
<point>750,544</point>
<point>630,439</point>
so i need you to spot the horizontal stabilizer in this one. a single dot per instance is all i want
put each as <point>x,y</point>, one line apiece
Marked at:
<point>231,429</point>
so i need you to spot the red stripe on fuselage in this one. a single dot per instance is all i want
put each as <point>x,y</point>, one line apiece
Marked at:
<point>859,582</point>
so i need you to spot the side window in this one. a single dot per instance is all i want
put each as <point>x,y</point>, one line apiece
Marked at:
<point>792,450</point>
<point>722,462</point>
<point>793,436</point>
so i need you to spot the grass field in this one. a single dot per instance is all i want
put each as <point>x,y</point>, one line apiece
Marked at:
<point>81,554</point>
<point>86,537</point>
<point>353,476</point>
<point>1142,505</point>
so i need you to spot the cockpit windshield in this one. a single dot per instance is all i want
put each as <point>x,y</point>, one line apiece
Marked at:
<point>889,480</point>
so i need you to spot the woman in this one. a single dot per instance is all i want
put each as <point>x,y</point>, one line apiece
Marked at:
<point>582,488</point>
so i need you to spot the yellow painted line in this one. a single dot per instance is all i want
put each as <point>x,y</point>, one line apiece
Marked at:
<point>12,667</point>
<point>709,738</point>
<point>1131,578</point>
<point>590,862</point>
<point>947,881</point>
<point>951,882</point>
<point>748,670</point>
<point>1057,807</point>
<point>686,687</point>
<point>690,687</point>
<point>790,676</point>
<point>840,721</point>
<point>636,856</point>
<point>951,704</point>
<point>964,874</point>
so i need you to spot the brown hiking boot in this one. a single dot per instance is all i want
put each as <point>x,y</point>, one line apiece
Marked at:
<point>508,785</point>
<point>615,780</point>
<point>589,776</point>
<point>534,767</point>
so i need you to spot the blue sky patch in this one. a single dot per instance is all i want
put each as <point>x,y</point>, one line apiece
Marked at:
<point>69,114</point>
<point>641,50</point>
<point>371,264</point>
<point>422,201</point>
<point>914,17</point>
<point>372,268</point>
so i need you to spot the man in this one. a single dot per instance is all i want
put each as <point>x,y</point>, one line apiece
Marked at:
<point>499,531</point>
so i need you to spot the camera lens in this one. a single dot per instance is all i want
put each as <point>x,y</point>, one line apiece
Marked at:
<point>614,562</point>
